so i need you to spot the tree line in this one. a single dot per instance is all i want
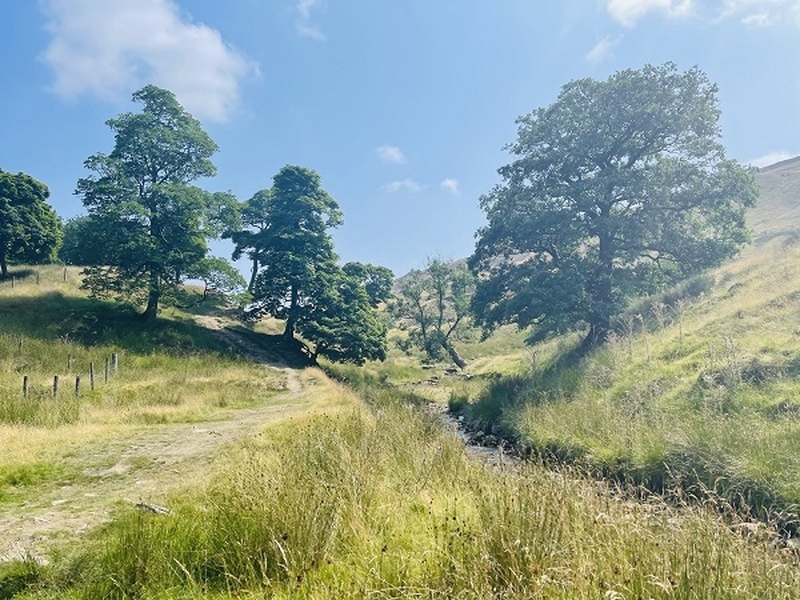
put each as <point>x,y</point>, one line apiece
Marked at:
<point>617,189</point>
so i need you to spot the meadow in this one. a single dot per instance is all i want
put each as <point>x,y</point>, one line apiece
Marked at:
<point>345,484</point>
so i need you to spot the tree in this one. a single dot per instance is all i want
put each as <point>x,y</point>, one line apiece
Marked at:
<point>294,250</point>
<point>149,222</point>
<point>377,280</point>
<point>436,302</point>
<point>255,215</point>
<point>296,276</point>
<point>30,230</point>
<point>619,187</point>
<point>344,325</point>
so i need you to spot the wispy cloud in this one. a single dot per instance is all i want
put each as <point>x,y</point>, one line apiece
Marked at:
<point>602,51</point>
<point>755,13</point>
<point>451,186</point>
<point>305,24</point>
<point>391,154</point>
<point>404,185</point>
<point>761,13</point>
<point>771,159</point>
<point>628,12</point>
<point>109,49</point>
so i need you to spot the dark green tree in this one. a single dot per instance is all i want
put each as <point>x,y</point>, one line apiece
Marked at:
<point>294,251</point>
<point>435,304</point>
<point>255,220</point>
<point>377,280</point>
<point>150,223</point>
<point>618,188</point>
<point>30,231</point>
<point>343,323</point>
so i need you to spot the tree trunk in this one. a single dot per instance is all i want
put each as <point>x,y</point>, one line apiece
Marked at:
<point>291,318</point>
<point>253,275</point>
<point>454,355</point>
<point>153,296</point>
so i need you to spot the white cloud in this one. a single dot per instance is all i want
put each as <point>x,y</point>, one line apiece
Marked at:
<point>628,12</point>
<point>407,185</point>
<point>109,49</point>
<point>601,51</point>
<point>391,154</point>
<point>761,13</point>
<point>451,186</point>
<point>770,159</point>
<point>305,24</point>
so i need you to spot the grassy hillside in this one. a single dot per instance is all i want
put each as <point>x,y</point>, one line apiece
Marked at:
<point>698,390</point>
<point>294,483</point>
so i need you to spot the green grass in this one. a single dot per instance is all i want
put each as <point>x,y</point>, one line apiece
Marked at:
<point>383,502</point>
<point>700,397</point>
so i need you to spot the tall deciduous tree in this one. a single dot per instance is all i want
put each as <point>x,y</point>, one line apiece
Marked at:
<point>297,278</point>
<point>619,187</point>
<point>436,303</point>
<point>150,223</point>
<point>294,250</point>
<point>30,230</point>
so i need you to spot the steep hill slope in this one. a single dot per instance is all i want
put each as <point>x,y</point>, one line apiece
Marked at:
<point>778,211</point>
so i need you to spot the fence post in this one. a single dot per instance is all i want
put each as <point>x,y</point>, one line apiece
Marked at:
<point>25,386</point>
<point>115,362</point>
<point>13,282</point>
<point>91,376</point>
<point>106,372</point>
<point>37,277</point>
<point>69,363</point>
<point>77,385</point>
<point>65,273</point>
<point>55,386</point>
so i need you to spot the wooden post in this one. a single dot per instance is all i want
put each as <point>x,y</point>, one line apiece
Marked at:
<point>37,277</point>
<point>20,345</point>
<point>25,386</point>
<point>55,386</point>
<point>91,376</point>
<point>69,363</point>
<point>105,380</point>
<point>77,385</point>
<point>13,282</point>
<point>115,362</point>
<point>65,273</point>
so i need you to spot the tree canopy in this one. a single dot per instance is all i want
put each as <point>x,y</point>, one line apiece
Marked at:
<point>619,187</point>
<point>150,225</point>
<point>435,305</point>
<point>296,276</point>
<point>30,230</point>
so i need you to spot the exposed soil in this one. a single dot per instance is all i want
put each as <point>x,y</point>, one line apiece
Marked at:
<point>143,467</point>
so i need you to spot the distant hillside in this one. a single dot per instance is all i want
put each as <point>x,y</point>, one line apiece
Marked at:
<point>778,211</point>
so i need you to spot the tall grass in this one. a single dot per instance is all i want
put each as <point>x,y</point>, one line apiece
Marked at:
<point>384,502</point>
<point>694,391</point>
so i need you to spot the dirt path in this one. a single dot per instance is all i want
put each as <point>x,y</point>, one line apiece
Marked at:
<point>143,467</point>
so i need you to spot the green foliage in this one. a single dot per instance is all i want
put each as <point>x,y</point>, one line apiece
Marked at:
<point>344,324</point>
<point>295,251</point>
<point>296,277</point>
<point>619,188</point>
<point>148,224</point>
<point>30,231</point>
<point>434,304</point>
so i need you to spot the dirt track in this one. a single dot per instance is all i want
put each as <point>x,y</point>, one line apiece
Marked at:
<point>142,467</point>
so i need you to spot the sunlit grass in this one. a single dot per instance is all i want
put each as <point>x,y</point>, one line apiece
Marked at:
<point>383,502</point>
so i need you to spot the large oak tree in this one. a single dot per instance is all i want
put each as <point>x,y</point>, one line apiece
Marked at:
<point>30,230</point>
<point>149,225</point>
<point>619,187</point>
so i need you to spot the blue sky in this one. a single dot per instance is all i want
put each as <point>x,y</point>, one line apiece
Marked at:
<point>402,106</point>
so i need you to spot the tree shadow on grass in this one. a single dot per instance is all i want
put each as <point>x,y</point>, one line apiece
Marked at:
<point>53,316</point>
